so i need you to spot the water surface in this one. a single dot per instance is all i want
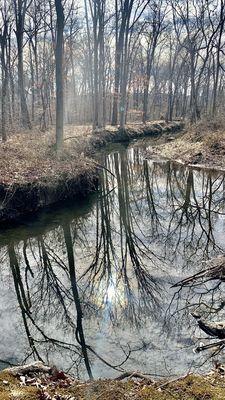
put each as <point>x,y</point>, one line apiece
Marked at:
<point>87,287</point>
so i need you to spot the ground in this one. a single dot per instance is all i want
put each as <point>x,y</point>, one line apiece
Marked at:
<point>201,145</point>
<point>33,175</point>
<point>191,387</point>
<point>30,156</point>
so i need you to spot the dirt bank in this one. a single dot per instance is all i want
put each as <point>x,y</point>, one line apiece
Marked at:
<point>201,145</point>
<point>55,385</point>
<point>33,177</point>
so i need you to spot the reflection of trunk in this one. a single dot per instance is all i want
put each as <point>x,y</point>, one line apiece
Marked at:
<point>21,296</point>
<point>122,262</point>
<point>71,263</point>
<point>149,196</point>
<point>54,286</point>
<point>135,247</point>
<point>190,185</point>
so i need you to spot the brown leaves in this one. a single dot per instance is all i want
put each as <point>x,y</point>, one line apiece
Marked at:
<point>31,158</point>
<point>46,383</point>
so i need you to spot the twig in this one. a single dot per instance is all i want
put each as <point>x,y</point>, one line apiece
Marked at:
<point>175,380</point>
<point>102,167</point>
<point>134,374</point>
<point>209,346</point>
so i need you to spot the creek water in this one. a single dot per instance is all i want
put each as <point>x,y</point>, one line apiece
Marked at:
<point>87,287</point>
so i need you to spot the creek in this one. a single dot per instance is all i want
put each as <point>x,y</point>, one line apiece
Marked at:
<point>87,286</point>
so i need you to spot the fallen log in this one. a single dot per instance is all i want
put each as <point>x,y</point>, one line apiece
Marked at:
<point>29,369</point>
<point>215,329</point>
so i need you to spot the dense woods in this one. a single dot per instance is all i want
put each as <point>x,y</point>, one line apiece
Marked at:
<point>119,61</point>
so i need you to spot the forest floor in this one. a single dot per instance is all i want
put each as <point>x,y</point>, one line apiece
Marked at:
<point>59,386</point>
<point>30,156</point>
<point>201,145</point>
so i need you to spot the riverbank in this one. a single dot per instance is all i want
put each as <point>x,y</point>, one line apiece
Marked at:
<point>201,146</point>
<point>51,384</point>
<point>32,175</point>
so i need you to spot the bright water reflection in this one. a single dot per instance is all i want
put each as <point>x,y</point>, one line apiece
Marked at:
<point>88,288</point>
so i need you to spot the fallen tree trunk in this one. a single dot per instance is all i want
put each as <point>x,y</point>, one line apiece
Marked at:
<point>28,369</point>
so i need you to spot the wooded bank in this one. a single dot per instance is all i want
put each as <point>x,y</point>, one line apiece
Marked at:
<point>36,177</point>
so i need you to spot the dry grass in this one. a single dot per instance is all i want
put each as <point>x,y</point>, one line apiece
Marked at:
<point>30,157</point>
<point>33,175</point>
<point>201,144</point>
<point>192,387</point>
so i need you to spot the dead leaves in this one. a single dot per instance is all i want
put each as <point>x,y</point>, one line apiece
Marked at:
<point>46,396</point>
<point>46,383</point>
<point>26,159</point>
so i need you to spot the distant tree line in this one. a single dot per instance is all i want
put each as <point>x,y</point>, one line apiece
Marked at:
<point>121,61</point>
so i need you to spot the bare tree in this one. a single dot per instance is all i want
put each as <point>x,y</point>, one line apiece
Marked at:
<point>59,64</point>
<point>20,9</point>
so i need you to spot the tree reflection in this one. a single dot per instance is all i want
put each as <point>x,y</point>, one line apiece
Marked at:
<point>123,257</point>
<point>79,314</point>
<point>152,222</point>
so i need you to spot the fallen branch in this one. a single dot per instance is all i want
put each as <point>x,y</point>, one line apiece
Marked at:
<point>8,363</point>
<point>175,380</point>
<point>101,167</point>
<point>221,343</point>
<point>134,374</point>
<point>35,367</point>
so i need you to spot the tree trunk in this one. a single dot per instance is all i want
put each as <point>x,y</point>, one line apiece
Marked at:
<point>20,8</point>
<point>3,42</point>
<point>59,58</point>
<point>218,66</point>
<point>23,102</point>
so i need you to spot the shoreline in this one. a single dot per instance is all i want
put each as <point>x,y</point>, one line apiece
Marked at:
<point>198,147</point>
<point>26,187</point>
<point>37,381</point>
